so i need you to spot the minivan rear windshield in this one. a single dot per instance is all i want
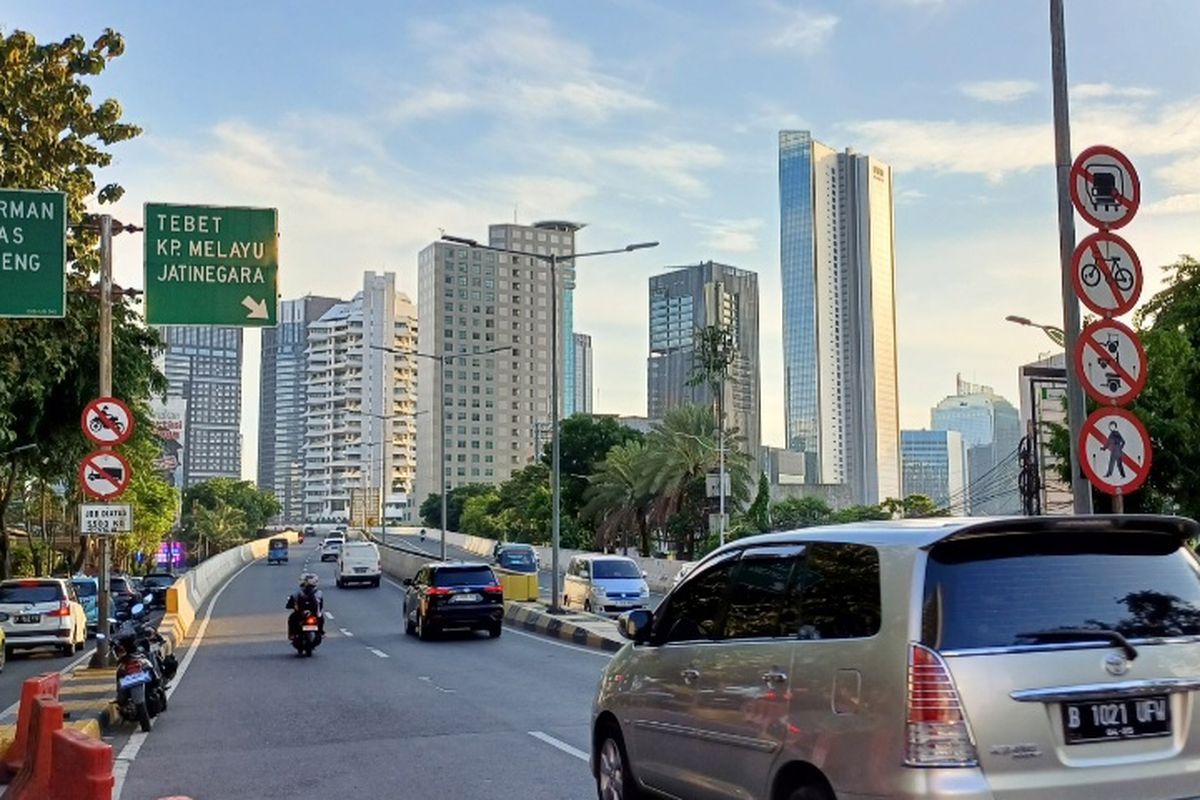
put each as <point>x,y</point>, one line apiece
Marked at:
<point>471,576</point>
<point>615,569</point>
<point>38,593</point>
<point>1000,591</point>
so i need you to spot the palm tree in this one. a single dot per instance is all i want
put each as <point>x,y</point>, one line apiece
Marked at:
<point>220,527</point>
<point>617,499</point>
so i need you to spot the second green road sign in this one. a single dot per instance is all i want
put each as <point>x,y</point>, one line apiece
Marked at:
<point>33,253</point>
<point>211,265</point>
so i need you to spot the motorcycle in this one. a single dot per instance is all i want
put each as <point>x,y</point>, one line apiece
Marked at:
<point>309,636</point>
<point>143,672</point>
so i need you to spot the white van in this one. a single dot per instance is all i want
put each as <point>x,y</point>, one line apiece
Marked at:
<point>358,562</point>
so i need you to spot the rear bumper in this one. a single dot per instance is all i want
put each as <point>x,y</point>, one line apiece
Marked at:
<point>41,638</point>
<point>356,577</point>
<point>466,617</point>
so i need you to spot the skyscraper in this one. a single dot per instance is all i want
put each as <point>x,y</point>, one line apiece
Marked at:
<point>203,367</point>
<point>359,438</point>
<point>584,389</point>
<point>1043,407</point>
<point>472,300</point>
<point>683,302</point>
<point>991,429</point>
<point>934,463</point>
<point>283,402</point>
<point>839,318</point>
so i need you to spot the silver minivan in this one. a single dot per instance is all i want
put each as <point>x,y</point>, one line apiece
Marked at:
<point>1040,658</point>
<point>605,584</point>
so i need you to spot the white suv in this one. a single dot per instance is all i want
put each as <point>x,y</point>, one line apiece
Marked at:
<point>42,612</point>
<point>331,547</point>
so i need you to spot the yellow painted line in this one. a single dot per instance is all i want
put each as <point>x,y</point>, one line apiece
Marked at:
<point>85,705</point>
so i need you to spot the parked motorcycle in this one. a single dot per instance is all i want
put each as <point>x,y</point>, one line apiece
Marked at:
<point>143,672</point>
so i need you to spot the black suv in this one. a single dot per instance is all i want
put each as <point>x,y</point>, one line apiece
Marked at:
<point>156,584</point>
<point>453,595</point>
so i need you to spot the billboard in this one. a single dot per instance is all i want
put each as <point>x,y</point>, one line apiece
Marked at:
<point>170,425</point>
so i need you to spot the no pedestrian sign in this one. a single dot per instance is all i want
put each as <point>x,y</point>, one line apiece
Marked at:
<point>1115,451</point>
<point>211,265</point>
<point>33,253</point>
<point>1107,274</point>
<point>1104,187</point>
<point>104,475</point>
<point>1111,362</point>
<point>107,420</point>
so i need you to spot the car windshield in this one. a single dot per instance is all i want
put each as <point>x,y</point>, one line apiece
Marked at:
<point>30,593</point>
<point>119,585</point>
<point>517,559</point>
<point>615,568</point>
<point>158,580</point>
<point>85,588</point>
<point>464,576</point>
<point>1018,590</point>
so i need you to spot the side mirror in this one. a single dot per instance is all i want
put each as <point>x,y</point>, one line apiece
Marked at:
<point>636,625</point>
<point>408,582</point>
<point>645,574</point>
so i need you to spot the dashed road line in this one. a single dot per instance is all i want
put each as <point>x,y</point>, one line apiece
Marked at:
<point>346,632</point>
<point>429,680</point>
<point>559,745</point>
<point>379,653</point>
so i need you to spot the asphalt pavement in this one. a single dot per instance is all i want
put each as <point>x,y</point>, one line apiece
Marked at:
<point>373,713</point>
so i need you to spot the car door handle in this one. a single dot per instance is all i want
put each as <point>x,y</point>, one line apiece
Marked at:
<point>690,675</point>
<point>773,677</point>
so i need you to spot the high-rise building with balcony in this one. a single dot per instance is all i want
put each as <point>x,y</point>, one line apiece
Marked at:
<point>496,404</point>
<point>203,367</point>
<point>584,387</point>
<point>839,316</point>
<point>283,403</point>
<point>361,394</point>
<point>683,302</point>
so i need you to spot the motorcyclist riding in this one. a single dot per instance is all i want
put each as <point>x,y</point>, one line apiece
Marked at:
<point>306,600</point>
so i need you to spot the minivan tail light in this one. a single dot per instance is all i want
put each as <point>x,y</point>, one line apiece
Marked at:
<point>63,610</point>
<point>938,734</point>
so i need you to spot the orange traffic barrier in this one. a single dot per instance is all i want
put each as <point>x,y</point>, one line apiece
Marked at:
<point>81,767</point>
<point>44,685</point>
<point>33,781</point>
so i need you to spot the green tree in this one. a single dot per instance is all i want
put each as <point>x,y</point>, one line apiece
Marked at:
<point>52,136</point>
<point>217,528</point>
<point>617,500</point>
<point>154,502</point>
<point>257,506</point>
<point>799,512</point>
<point>758,516</point>
<point>481,516</point>
<point>584,444</point>
<point>456,498</point>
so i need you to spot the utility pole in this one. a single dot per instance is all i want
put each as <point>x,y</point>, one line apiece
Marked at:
<point>1076,404</point>
<point>101,657</point>
<point>556,504</point>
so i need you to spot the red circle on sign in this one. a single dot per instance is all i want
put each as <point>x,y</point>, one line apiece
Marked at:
<point>1114,276</point>
<point>86,468</point>
<point>105,421</point>
<point>1135,383</point>
<point>1081,204</point>
<point>1092,474</point>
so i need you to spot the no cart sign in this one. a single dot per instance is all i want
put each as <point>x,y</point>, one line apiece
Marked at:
<point>1111,362</point>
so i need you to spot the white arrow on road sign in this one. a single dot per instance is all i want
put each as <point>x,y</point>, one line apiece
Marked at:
<point>1115,451</point>
<point>104,474</point>
<point>1107,274</point>
<point>107,420</point>
<point>1111,362</point>
<point>1104,187</point>
<point>257,308</point>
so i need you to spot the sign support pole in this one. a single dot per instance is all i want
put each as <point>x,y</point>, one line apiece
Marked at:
<point>1076,404</point>
<point>100,659</point>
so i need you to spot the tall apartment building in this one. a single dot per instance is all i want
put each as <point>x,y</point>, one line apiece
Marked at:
<point>203,367</point>
<point>934,463</point>
<point>839,316</point>
<point>473,300</point>
<point>682,303</point>
<point>361,392</point>
<point>991,429</point>
<point>584,385</point>
<point>283,403</point>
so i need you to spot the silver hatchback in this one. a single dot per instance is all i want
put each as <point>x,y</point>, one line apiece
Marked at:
<point>1003,659</point>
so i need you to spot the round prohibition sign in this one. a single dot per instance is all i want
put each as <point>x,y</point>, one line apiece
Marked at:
<point>1115,451</point>
<point>1105,189</point>
<point>1111,362</point>
<point>107,420</point>
<point>104,474</point>
<point>1107,274</point>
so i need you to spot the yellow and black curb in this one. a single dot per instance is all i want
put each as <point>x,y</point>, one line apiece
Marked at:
<point>584,630</point>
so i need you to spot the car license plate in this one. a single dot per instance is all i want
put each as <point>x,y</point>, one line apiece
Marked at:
<point>310,628</point>
<point>360,569</point>
<point>466,598</point>
<point>1114,720</point>
<point>134,679</point>
<point>29,619</point>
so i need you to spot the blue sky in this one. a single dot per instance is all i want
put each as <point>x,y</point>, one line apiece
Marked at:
<point>373,125</point>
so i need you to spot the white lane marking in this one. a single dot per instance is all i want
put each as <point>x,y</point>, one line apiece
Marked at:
<point>393,583</point>
<point>429,680</point>
<point>544,640</point>
<point>329,615</point>
<point>129,752</point>
<point>379,653</point>
<point>559,744</point>
<point>15,707</point>
<point>346,632</point>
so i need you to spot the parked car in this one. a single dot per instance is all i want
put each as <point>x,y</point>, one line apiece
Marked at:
<point>517,558</point>
<point>125,592</point>
<point>88,590</point>
<point>456,594</point>
<point>358,562</point>
<point>42,612</point>
<point>331,547</point>
<point>605,584</point>
<point>1037,657</point>
<point>155,584</point>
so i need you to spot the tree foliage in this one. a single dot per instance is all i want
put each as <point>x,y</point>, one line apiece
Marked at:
<point>456,498</point>
<point>584,444</point>
<point>254,507</point>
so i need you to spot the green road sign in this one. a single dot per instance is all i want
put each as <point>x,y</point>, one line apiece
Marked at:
<point>211,265</point>
<point>33,253</point>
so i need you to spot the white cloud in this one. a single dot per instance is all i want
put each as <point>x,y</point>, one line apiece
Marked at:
<point>800,30</point>
<point>424,103</point>
<point>536,196</point>
<point>731,235</point>
<point>906,196</point>
<point>674,163</point>
<point>588,98</point>
<point>1102,91</point>
<point>998,91</point>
